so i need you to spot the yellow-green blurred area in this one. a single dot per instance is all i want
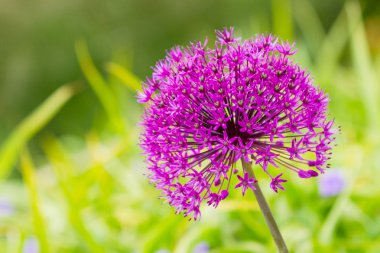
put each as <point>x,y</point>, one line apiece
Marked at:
<point>72,174</point>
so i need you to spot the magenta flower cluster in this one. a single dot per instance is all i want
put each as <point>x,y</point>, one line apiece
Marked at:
<point>209,107</point>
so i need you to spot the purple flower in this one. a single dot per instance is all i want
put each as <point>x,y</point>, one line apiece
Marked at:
<point>331,183</point>
<point>246,182</point>
<point>276,182</point>
<point>6,208</point>
<point>31,246</point>
<point>307,174</point>
<point>265,156</point>
<point>202,247</point>
<point>209,107</point>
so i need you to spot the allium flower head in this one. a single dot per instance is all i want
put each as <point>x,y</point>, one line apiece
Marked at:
<point>209,107</point>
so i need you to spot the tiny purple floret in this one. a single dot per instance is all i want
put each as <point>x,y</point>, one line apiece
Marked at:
<point>245,183</point>
<point>276,182</point>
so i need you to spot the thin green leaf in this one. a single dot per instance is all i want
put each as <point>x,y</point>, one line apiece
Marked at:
<point>282,19</point>
<point>238,205</point>
<point>363,65</point>
<point>327,60</point>
<point>158,231</point>
<point>188,240</point>
<point>105,95</point>
<point>31,185</point>
<point>32,125</point>
<point>127,77</point>
<point>310,24</point>
<point>63,167</point>
<point>243,247</point>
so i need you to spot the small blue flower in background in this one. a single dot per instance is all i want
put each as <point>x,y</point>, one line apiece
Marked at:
<point>6,208</point>
<point>31,246</point>
<point>201,247</point>
<point>331,183</point>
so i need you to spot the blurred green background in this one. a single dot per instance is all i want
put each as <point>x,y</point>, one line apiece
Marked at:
<point>71,172</point>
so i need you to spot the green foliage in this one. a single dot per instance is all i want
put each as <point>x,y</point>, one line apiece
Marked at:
<point>28,172</point>
<point>32,125</point>
<point>89,193</point>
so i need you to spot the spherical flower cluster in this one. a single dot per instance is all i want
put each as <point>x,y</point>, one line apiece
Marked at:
<point>208,108</point>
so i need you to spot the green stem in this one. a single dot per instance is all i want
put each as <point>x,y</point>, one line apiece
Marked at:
<point>277,237</point>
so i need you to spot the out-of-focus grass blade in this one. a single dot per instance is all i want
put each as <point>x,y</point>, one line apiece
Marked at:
<point>127,77</point>
<point>158,231</point>
<point>363,65</point>
<point>14,239</point>
<point>310,24</point>
<point>20,243</point>
<point>38,220</point>
<point>331,49</point>
<point>238,205</point>
<point>243,247</point>
<point>31,125</point>
<point>63,168</point>
<point>100,159</point>
<point>189,239</point>
<point>282,18</point>
<point>359,161</point>
<point>98,84</point>
<point>328,227</point>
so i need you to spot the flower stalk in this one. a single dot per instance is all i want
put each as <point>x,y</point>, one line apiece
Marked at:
<point>276,234</point>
